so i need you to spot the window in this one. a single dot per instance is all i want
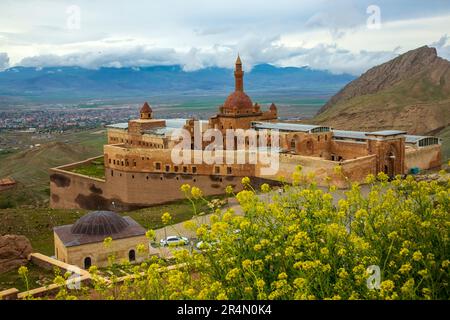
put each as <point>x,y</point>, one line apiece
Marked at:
<point>318,138</point>
<point>158,165</point>
<point>134,163</point>
<point>217,170</point>
<point>132,255</point>
<point>114,161</point>
<point>326,137</point>
<point>112,173</point>
<point>87,263</point>
<point>229,170</point>
<point>185,169</point>
<point>109,160</point>
<point>175,168</point>
<point>167,168</point>
<point>194,169</point>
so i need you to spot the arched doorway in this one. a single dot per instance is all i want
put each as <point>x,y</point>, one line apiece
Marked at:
<point>309,147</point>
<point>132,255</point>
<point>389,163</point>
<point>87,262</point>
<point>293,143</point>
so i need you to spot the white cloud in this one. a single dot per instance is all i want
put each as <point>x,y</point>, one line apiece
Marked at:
<point>198,33</point>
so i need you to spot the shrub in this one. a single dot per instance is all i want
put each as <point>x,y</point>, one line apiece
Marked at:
<point>301,245</point>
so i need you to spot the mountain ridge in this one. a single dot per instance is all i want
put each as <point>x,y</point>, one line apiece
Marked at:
<point>76,82</point>
<point>400,93</point>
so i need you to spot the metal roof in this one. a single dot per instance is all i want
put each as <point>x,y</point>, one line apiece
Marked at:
<point>387,132</point>
<point>282,126</point>
<point>350,134</point>
<point>414,139</point>
<point>122,125</point>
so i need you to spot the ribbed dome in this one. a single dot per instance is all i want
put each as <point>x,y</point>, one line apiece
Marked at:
<point>239,100</point>
<point>99,223</point>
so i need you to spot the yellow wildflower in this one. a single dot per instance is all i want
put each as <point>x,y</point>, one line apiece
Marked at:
<point>417,256</point>
<point>166,218</point>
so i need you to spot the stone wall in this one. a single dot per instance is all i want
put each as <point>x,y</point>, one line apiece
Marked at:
<point>348,149</point>
<point>99,254</point>
<point>423,158</point>
<point>358,169</point>
<point>68,189</point>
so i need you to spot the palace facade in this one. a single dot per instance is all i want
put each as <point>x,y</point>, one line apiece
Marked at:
<point>140,171</point>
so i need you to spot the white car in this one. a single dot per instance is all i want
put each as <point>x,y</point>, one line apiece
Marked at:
<point>175,241</point>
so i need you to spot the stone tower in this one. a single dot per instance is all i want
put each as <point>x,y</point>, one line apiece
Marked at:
<point>146,111</point>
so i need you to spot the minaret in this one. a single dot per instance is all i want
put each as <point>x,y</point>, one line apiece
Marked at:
<point>239,75</point>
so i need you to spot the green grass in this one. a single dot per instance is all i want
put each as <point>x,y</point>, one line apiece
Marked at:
<point>95,169</point>
<point>37,223</point>
<point>37,277</point>
<point>445,136</point>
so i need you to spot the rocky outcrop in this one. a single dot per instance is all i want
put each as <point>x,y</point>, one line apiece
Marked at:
<point>14,251</point>
<point>410,92</point>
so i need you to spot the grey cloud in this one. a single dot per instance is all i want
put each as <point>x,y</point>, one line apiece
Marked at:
<point>4,61</point>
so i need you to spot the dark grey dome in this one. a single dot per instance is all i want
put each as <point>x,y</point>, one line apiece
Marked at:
<point>99,223</point>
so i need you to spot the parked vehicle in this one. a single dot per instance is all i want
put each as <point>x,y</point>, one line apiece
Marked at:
<point>174,241</point>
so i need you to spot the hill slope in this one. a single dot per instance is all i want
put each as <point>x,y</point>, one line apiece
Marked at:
<point>30,167</point>
<point>410,92</point>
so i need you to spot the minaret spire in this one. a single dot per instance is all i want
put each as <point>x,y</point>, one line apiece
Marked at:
<point>239,75</point>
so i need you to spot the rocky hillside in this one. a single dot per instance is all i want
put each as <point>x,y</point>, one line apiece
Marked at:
<point>410,92</point>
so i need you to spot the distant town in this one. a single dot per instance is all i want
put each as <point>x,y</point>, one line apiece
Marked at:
<point>61,119</point>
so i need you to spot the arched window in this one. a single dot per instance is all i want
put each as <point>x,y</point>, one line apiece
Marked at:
<point>132,255</point>
<point>87,262</point>
<point>293,144</point>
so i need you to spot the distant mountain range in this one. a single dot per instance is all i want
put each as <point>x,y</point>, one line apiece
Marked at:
<point>23,84</point>
<point>410,92</point>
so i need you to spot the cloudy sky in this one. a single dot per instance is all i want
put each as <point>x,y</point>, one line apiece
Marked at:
<point>340,36</point>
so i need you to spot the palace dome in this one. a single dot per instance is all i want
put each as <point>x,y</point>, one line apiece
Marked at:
<point>99,223</point>
<point>239,100</point>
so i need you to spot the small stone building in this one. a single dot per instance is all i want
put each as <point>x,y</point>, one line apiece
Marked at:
<point>82,244</point>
